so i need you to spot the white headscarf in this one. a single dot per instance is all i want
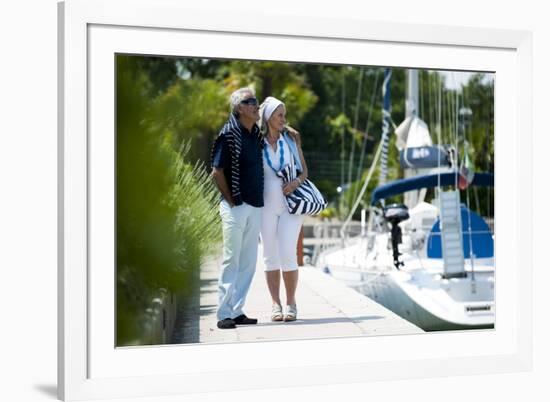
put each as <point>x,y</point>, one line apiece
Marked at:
<point>268,107</point>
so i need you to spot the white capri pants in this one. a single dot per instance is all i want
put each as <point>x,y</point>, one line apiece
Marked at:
<point>279,232</point>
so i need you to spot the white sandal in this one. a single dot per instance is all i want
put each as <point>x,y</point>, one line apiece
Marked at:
<point>276,313</point>
<point>291,313</point>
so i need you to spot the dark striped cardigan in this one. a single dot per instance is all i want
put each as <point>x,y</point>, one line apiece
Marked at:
<point>232,131</point>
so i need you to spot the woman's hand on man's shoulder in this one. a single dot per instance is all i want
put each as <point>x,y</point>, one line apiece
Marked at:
<point>295,135</point>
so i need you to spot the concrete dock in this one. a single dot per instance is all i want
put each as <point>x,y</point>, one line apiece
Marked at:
<point>326,308</point>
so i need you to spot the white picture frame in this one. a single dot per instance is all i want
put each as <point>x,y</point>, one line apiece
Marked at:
<point>90,31</point>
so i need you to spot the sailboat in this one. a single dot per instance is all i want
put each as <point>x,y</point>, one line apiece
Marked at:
<point>432,263</point>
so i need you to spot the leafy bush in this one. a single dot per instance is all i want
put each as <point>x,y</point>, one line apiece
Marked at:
<point>165,208</point>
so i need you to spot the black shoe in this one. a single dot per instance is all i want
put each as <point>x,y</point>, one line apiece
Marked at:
<point>226,323</point>
<point>244,320</point>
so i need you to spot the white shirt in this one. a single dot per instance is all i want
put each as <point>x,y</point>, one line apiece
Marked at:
<point>273,184</point>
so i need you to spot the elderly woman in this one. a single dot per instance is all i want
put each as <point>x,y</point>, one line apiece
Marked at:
<point>280,229</point>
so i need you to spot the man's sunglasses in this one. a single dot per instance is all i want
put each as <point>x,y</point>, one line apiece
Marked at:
<point>250,101</point>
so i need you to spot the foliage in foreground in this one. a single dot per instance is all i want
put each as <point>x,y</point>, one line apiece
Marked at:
<point>165,209</point>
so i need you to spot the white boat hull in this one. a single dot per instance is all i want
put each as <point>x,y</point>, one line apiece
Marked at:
<point>418,292</point>
<point>389,292</point>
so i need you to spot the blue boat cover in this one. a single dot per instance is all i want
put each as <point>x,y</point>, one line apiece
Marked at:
<point>423,157</point>
<point>481,237</point>
<point>427,181</point>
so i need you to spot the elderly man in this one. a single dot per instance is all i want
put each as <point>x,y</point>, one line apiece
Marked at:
<point>238,173</point>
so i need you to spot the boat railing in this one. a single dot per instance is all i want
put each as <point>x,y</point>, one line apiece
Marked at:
<point>325,235</point>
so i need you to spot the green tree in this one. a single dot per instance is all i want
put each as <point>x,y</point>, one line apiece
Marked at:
<point>192,110</point>
<point>282,80</point>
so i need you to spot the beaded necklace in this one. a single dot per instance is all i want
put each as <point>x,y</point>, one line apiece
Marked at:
<point>281,158</point>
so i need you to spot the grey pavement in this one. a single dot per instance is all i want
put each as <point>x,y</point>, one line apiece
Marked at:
<point>326,308</point>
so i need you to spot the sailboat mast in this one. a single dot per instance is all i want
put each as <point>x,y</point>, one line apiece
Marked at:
<point>411,104</point>
<point>386,113</point>
<point>412,93</point>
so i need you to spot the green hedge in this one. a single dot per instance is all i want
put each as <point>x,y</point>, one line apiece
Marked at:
<point>166,218</point>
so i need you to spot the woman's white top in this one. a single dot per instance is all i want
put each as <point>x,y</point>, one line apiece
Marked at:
<point>273,184</point>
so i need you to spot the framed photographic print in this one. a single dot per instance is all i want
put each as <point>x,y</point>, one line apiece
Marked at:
<point>417,137</point>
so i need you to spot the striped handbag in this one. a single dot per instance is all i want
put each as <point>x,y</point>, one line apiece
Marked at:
<point>306,199</point>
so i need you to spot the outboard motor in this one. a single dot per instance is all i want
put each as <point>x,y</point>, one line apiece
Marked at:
<point>395,213</point>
